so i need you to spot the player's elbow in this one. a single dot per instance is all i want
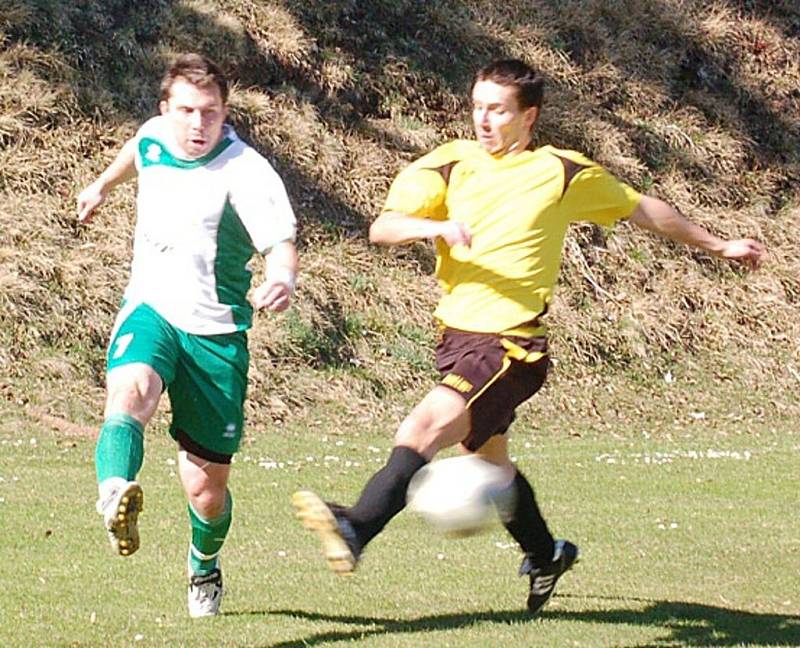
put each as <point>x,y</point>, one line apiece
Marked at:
<point>378,234</point>
<point>374,234</point>
<point>650,213</point>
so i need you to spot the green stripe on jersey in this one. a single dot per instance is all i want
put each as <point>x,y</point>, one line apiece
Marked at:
<point>152,152</point>
<point>234,249</point>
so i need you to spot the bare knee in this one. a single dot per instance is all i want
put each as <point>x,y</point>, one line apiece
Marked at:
<point>209,502</point>
<point>495,451</point>
<point>439,421</point>
<point>205,484</point>
<point>133,389</point>
<point>419,435</point>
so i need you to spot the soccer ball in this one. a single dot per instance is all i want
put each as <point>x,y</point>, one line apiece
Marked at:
<point>460,496</point>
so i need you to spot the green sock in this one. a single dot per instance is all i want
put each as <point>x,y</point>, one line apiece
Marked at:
<point>208,536</point>
<point>120,448</point>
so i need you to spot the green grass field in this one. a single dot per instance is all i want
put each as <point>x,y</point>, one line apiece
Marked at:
<point>687,541</point>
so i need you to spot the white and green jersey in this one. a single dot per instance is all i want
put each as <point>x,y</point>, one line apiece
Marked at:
<point>198,224</point>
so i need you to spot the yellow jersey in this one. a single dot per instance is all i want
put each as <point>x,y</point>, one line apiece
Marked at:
<point>517,208</point>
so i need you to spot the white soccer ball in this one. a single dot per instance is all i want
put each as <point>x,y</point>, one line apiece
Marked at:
<point>460,496</point>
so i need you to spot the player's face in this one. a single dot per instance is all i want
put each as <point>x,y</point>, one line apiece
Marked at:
<point>501,125</point>
<point>197,116</point>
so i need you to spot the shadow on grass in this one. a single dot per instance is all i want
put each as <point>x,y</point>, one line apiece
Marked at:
<point>695,624</point>
<point>381,626</point>
<point>678,623</point>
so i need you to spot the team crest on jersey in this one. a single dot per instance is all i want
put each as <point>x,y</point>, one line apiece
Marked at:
<point>153,153</point>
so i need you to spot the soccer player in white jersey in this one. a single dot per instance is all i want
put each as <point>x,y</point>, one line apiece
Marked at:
<point>206,202</point>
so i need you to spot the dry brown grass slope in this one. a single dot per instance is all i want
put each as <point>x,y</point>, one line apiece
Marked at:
<point>697,102</point>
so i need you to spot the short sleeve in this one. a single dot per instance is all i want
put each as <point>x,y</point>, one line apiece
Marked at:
<point>417,191</point>
<point>259,197</point>
<point>595,195</point>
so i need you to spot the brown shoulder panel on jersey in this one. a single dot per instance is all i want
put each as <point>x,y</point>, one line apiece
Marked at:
<point>571,169</point>
<point>445,170</point>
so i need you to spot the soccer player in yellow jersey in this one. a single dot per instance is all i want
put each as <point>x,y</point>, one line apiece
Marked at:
<point>498,211</point>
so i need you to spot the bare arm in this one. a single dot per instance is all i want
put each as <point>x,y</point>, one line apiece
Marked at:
<point>123,168</point>
<point>657,216</point>
<point>276,291</point>
<point>396,228</point>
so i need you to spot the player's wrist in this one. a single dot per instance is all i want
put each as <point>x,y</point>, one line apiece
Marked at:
<point>284,275</point>
<point>438,229</point>
<point>715,246</point>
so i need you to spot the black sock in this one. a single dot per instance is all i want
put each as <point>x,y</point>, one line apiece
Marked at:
<point>527,526</point>
<point>384,495</point>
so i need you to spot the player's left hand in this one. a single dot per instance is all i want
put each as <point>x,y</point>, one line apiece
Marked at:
<point>272,295</point>
<point>748,252</point>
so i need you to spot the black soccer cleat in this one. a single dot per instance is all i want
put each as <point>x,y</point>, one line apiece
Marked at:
<point>544,578</point>
<point>340,545</point>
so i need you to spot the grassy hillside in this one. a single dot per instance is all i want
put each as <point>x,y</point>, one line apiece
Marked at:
<point>692,101</point>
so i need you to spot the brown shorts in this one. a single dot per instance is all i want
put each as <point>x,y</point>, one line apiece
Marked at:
<point>494,374</point>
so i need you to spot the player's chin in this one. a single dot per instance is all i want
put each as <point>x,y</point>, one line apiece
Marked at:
<point>488,145</point>
<point>197,148</point>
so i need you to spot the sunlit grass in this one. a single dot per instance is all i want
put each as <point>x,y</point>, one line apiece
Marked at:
<point>686,541</point>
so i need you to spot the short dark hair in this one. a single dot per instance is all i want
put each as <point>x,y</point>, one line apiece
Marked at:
<point>197,70</point>
<point>516,73</point>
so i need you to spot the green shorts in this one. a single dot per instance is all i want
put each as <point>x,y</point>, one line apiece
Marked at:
<point>205,376</point>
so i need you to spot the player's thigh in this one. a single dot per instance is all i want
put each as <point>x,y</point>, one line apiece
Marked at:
<point>140,360</point>
<point>439,421</point>
<point>207,394</point>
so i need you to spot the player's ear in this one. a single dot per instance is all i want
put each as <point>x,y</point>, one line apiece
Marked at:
<point>163,107</point>
<point>531,115</point>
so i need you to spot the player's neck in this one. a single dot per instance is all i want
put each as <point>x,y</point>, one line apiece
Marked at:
<point>513,148</point>
<point>520,145</point>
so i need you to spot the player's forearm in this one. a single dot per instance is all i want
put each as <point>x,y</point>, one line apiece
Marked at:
<point>395,228</point>
<point>122,169</point>
<point>282,263</point>
<point>660,218</point>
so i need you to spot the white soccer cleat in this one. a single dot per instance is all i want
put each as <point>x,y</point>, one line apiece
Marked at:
<point>120,509</point>
<point>205,594</point>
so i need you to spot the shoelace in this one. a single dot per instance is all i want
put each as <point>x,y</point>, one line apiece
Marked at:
<point>206,592</point>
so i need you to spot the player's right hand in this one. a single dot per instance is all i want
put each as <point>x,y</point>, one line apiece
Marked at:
<point>455,233</point>
<point>88,200</point>
<point>272,295</point>
<point>748,252</point>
